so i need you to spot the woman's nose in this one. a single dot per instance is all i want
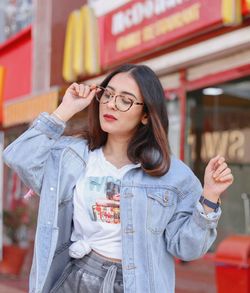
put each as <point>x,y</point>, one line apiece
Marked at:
<point>111,102</point>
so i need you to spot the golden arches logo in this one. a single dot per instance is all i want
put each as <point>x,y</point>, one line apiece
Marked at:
<point>231,12</point>
<point>81,48</point>
<point>248,4</point>
<point>2,78</point>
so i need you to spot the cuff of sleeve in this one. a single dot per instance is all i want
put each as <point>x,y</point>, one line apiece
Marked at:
<point>206,221</point>
<point>49,125</point>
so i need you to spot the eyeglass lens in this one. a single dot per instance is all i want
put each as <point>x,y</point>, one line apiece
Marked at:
<point>122,103</point>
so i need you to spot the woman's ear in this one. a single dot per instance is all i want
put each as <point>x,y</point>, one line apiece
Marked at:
<point>144,119</point>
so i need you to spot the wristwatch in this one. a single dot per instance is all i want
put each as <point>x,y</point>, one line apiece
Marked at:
<point>209,203</point>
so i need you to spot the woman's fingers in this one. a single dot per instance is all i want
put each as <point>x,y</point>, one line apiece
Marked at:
<point>74,88</point>
<point>221,167</point>
<point>219,162</point>
<point>212,163</point>
<point>93,92</point>
<point>226,178</point>
<point>93,86</point>
<point>225,172</point>
<point>222,172</point>
<point>82,90</point>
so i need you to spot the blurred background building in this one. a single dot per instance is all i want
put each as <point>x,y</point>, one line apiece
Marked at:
<point>200,49</point>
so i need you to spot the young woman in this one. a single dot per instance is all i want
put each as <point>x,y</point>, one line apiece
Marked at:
<point>115,206</point>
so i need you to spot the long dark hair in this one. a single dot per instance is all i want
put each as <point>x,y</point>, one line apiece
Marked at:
<point>149,144</point>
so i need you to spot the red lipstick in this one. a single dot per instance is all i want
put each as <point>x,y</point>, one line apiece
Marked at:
<point>109,117</point>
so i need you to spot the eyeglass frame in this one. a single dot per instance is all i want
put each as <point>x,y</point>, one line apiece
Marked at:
<point>115,96</point>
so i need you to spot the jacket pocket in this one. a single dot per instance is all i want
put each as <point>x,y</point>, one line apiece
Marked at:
<point>160,208</point>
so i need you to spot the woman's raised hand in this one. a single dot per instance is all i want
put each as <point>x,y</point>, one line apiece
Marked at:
<point>77,97</point>
<point>218,177</point>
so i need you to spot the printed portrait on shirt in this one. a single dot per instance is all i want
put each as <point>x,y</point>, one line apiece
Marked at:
<point>105,199</point>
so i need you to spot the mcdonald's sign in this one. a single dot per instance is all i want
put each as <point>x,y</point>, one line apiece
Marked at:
<point>81,49</point>
<point>141,27</point>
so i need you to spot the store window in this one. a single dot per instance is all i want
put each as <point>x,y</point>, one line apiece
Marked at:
<point>218,122</point>
<point>15,15</point>
<point>173,109</point>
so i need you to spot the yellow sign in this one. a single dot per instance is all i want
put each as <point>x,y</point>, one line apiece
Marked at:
<point>248,4</point>
<point>25,110</point>
<point>2,77</point>
<point>232,12</point>
<point>81,49</point>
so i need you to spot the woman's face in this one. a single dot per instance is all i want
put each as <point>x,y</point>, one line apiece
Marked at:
<point>115,122</point>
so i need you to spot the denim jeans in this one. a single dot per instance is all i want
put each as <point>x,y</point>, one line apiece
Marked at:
<point>90,274</point>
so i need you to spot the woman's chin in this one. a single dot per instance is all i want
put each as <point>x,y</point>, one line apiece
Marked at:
<point>109,127</point>
<point>114,131</point>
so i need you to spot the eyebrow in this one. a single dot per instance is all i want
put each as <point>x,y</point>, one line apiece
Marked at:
<point>123,92</point>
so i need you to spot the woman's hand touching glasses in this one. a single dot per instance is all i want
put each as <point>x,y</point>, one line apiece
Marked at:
<point>77,97</point>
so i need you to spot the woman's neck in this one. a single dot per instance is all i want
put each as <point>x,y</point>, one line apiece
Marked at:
<point>115,151</point>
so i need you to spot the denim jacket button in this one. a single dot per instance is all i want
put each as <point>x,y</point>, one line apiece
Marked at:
<point>165,198</point>
<point>52,188</point>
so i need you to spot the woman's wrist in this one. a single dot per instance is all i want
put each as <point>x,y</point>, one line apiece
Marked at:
<point>210,195</point>
<point>61,114</point>
<point>209,201</point>
<point>56,115</point>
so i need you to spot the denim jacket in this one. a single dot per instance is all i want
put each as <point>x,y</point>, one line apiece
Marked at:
<point>161,217</point>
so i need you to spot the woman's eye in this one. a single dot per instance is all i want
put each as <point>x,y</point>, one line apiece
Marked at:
<point>126,100</point>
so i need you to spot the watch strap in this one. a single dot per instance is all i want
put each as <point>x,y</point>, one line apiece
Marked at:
<point>209,203</point>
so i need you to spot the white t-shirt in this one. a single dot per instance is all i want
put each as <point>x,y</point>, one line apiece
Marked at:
<point>97,208</point>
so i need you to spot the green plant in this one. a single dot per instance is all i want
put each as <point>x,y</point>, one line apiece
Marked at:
<point>20,215</point>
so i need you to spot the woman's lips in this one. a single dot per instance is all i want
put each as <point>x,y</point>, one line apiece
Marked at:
<point>109,117</point>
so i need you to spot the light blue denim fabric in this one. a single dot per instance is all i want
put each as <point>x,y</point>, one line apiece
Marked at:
<point>160,216</point>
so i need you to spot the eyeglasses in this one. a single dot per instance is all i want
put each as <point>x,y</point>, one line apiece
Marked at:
<point>122,102</point>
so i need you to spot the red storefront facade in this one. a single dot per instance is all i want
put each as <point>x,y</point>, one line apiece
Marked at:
<point>15,57</point>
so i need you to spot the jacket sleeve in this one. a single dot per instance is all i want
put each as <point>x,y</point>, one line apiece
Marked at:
<point>191,232</point>
<point>27,155</point>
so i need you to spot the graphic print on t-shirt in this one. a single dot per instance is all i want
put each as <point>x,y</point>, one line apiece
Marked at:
<point>106,207</point>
